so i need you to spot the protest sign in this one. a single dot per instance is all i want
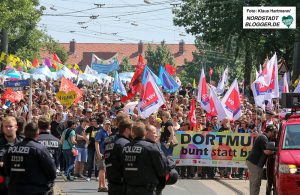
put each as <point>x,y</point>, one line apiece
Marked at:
<point>66,99</point>
<point>214,149</point>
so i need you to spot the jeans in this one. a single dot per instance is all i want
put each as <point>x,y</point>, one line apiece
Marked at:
<point>91,162</point>
<point>70,161</point>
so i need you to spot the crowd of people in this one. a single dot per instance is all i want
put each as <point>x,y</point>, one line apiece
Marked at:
<point>77,134</point>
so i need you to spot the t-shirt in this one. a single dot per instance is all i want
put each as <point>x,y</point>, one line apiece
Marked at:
<point>79,131</point>
<point>67,143</point>
<point>257,155</point>
<point>165,133</point>
<point>91,131</point>
<point>100,137</point>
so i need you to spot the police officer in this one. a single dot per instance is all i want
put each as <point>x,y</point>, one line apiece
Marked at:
<point>144,167</point>
<point>113,150</point>
<point>48,140</point>
<point>8,138</point>
<point>29,165</point>
<point>171,173</point>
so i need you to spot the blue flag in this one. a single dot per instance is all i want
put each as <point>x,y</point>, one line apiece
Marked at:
<point>145,75</point>
<point>167,81</point>
<point>118,85</point>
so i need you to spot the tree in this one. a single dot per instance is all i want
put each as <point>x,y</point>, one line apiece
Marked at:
<point>160,56</point>
<point>17,18</point>
<point>219,23</point>
<point>53,46</point>
<point>125,66</point>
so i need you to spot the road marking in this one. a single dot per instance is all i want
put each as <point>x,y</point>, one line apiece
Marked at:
<point>179,188</point>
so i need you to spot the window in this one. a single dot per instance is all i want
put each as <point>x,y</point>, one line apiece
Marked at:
<point>291,139</point>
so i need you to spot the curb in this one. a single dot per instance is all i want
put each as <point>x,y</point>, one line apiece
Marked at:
<point>237,191</point>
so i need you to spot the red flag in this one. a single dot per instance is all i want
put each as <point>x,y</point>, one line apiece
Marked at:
<point>67,85</point>
<point>192,115</point>
<point>170,69</point>
<point>136,82</point>
<point>13,96</point>
<point>35,62</point>
<point>210,71</point>
<point>56,58</point>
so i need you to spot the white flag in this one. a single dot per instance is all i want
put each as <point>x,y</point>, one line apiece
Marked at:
<point>216,107</point>
<point>231,102</point>
<point>266,85</point>
<point>223,82</point>
<point>151,99</point>
<point>88,70</point>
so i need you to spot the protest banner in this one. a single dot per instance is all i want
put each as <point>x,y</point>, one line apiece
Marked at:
<point>214,149</point>
<point>66,99</point>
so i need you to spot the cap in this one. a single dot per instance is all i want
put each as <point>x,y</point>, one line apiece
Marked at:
<point>107,122</point>
<point>270,128</point>
<point>158,120</point>
<point>172,177</point>
<point>89,110</point>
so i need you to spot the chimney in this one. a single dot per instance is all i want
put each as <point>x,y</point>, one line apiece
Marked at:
<point>72,49</point>
<point>181,47</point>
<point>140,47</point>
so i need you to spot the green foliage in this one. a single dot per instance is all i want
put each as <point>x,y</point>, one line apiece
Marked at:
<point>159,56</point>
<point>53,46</point>
<point>219,23</point>
<point>125,66</point>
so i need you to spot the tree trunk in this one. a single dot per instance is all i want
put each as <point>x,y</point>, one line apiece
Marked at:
<point>4,40</point>
<point>248,67</point>
<point>296,68</point>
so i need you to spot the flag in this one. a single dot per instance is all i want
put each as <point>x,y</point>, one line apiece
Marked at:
<point>170,69</point>
<point>35,62</point>
<point>256,74</point>
<point>88,70</point>
<point>210,71</point>
<point>13,96</point>
<point>151,98</point>
<point>28,64</point>
<point>145,75</point>
<point>56,58</point>
<point>118,85</point>
<point>266,87</point>
<point>67,85</point>
<point>47,62</point>
<point>192,115</point>
<point>223,82</point>
<point>77,68</point>
<point>216,107</point>
<point>194,84</point>
<point>260,69</point>
<point>231,102</point>
<point>203,95</point>
<point>135,84</point>
<point>2,56</point>
<point>297,89</point>
<point>285,83</point>
<point>167,81</point>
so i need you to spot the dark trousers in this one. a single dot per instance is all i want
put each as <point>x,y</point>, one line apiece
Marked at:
<point>187,171</point>
<point>137,190</point>
<point>209,171</point>
<point>116,189</point>
<point>91,162</point>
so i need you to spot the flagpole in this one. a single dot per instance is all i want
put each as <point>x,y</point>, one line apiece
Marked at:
<point>30,99</point>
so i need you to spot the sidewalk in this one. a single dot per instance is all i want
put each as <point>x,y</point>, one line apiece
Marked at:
<point>243,185</point>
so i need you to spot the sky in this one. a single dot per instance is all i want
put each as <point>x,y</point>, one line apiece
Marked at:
<point>114,21</point>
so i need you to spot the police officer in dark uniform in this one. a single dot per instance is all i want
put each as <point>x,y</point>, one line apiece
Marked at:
<point>8,137</point>
<point>48,140</point>
<point>113,150</point>
<point>143,165</point>
<point>29,165</point>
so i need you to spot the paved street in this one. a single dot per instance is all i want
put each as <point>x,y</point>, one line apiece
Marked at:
<point>182,187</point>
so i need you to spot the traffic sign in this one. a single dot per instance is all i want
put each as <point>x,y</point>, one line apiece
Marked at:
<point>18,83</point>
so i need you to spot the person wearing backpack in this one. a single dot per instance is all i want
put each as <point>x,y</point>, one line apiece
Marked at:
<point>68,140</point>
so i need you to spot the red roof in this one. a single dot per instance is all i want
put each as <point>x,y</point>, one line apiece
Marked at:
<point>83,52</point>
